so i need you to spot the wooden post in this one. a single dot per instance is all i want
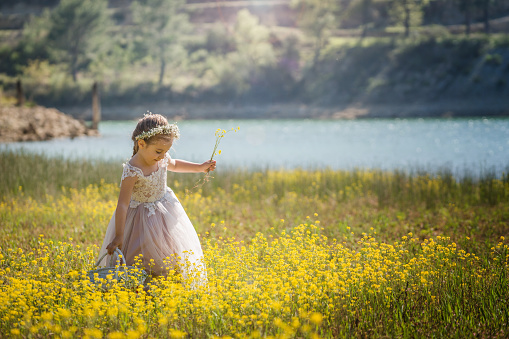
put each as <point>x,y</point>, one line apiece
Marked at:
<point>96,107</point>
<point>20,97</point>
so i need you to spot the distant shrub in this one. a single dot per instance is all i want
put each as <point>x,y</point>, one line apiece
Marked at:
<point>500,41</point>
<point>47,84</point>
<point>219,40</point>
<point>493,59</point>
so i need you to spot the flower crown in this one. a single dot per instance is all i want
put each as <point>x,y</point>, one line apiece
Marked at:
<point>171,129</point>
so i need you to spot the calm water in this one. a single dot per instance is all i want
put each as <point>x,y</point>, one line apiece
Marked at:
<point>459,144</point>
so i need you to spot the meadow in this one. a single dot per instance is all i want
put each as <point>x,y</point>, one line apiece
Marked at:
<point>289,254</point>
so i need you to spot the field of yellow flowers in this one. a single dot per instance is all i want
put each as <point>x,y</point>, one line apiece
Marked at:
<point>289,254</point>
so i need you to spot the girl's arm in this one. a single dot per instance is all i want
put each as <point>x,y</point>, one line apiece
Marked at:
<point>126,189</point>
<point>183,166</point>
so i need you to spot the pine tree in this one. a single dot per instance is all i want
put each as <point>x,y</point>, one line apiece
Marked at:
<point>76,30</point>
<point>318,18</point>
<point>409,13</point>
<point>466,6</point>
<point>160,25</point>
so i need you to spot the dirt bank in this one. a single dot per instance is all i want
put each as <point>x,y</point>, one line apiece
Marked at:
<point>38,123</point>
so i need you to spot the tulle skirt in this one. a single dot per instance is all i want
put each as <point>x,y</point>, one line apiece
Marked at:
<point>160,236</point>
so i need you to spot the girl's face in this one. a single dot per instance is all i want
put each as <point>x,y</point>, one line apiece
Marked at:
<point>153,152</point>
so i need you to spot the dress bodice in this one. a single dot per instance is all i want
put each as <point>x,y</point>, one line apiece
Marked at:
<point>148,189</point>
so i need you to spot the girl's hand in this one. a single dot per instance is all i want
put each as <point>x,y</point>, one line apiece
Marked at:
<point>209,166</point>
<point>117,242</point>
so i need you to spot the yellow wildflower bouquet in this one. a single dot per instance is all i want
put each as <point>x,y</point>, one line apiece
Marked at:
<point>220,133</point>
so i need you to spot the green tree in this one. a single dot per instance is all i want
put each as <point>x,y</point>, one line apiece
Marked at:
<point>409,13</point>
<point>233,71</point>
<point>318,18</point>
<point>366,16</point>
<point>160,26</point>
<point>252,40</point>
<point>31,46</point>
<point>485,6</point>
<point>470,7</point>
<point>77,28</point>
<point>467,7</point>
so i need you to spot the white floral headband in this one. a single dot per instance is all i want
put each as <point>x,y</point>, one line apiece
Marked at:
<point>171,129</point>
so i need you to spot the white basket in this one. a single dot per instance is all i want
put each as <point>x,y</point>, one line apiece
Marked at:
<point>128,276</point>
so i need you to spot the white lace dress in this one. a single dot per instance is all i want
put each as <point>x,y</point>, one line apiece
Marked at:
<point>157,227</point>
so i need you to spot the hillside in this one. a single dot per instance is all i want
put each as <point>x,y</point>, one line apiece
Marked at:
<point>446,77</point>
<point>265,66</point>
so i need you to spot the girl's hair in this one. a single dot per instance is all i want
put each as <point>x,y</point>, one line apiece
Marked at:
<point>145,124</point>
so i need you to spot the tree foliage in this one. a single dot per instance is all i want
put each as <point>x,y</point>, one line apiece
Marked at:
<point>318,18</point>
<point>76,30</point>
<point>235,71</point>
<point>159,28</point>
<point>408,13</point>
<point>252,39</point>
<point>468,7</point>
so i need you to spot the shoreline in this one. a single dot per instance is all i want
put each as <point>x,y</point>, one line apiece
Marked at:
<point>41,123</point>
<point>440,109</point>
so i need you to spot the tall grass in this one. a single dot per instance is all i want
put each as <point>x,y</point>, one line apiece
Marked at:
<point>40,175</point>
<point>37,190</point>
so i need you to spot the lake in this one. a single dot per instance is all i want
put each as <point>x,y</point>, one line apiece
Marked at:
<point>474,145</point>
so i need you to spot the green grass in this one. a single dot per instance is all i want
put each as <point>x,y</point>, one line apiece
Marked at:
<point>40,175</point>
<point>391,203</point>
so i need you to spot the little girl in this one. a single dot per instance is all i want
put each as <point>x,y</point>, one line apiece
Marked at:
<point>149,221</point>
